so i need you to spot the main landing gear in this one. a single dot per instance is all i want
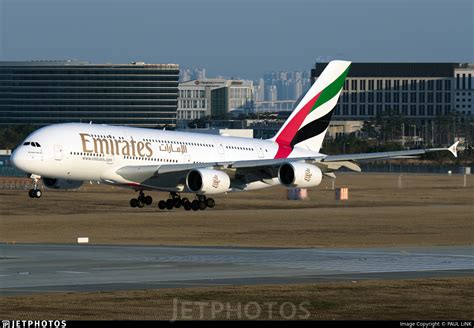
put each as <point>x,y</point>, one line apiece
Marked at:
<point>201,202</point>
<point>35,192</point>
<point>141,201</point>
<point>175,201</point>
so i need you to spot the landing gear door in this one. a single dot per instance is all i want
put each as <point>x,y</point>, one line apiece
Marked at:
<point>58,152</point>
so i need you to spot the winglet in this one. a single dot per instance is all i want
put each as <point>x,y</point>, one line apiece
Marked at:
<point>453,149</point>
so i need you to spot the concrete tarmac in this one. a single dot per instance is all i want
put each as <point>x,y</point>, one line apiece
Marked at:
<point>45,268</point>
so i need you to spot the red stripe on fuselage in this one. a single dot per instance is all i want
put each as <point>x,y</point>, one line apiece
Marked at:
<point>284,138</point>
<point>283,151</point>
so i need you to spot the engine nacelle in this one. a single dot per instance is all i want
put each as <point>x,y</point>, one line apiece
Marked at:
<point>61,183</point>
<point>207,181</point>
<point>300,175</point>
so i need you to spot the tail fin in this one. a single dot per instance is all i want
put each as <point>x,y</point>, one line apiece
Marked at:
<point>309,121</point>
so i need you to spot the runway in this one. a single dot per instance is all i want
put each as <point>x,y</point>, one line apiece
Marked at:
<point>46,268</point>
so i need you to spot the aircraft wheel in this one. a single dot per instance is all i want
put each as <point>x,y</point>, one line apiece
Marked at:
<point>202,205</point>
<point>37,193</point>
<point>140,204</point>
<point>184,201</point>
<point>195,205</point>
<point>170,204</point>
<point>148,200</point>
<point>187,206</point>
<point>134,202</point>
<point>210,202</point>
<point>31,193</point>
<point>177,203</point>
<point>161,204</point>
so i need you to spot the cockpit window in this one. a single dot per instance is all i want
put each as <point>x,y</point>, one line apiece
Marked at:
<point>34,144</point>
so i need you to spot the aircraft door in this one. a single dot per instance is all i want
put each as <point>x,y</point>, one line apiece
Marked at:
<point>58,152</point>
<point>260,151</point>
<point>220,149</point>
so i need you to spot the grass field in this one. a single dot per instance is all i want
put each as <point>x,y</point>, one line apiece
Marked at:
<point>427,210</point>
<point>424,210</point>
<point>421,299</point>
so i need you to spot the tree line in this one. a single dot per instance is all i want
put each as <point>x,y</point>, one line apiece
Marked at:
<point>12,135</point>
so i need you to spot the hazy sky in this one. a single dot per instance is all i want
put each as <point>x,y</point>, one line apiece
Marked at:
<point>237,38</point>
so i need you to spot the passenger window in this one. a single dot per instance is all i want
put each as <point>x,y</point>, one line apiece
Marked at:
<point>26,144</point>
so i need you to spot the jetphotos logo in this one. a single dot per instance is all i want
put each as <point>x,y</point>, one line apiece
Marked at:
<point>212,310</point>
<point>33,323</point>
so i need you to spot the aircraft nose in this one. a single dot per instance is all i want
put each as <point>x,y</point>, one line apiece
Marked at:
<point>16,158</point>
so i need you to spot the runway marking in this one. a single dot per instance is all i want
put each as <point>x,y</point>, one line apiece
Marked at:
<point>405,253</point>
<point>134,267</point>
<point>76,272</point>
<point>187,283</point>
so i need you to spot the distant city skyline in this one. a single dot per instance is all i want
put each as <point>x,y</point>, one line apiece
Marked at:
<point>242,38</point>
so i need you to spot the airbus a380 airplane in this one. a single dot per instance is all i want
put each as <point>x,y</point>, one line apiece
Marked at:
<point>65,155</point>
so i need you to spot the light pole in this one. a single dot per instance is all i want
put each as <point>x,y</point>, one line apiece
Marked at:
<point>432,133</point>
<point>454,128</point>
<point>414,133</point>
<point>403,135</point>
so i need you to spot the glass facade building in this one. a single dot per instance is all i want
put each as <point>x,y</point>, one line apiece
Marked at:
<point>417,90</point>
<point>218,98</point>
<point>42,93</point>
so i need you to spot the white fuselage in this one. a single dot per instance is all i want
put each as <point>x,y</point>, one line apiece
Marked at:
<point>78,151</point>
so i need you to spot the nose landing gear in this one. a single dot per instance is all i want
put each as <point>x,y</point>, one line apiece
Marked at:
<point>35,192</point>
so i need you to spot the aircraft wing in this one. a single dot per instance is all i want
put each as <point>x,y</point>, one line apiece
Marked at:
<point>388,154</point>
<point>134,173</point>
<point>175,174</point>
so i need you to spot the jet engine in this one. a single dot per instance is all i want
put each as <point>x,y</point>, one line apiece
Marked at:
<point>61,183</point>
<point>207,181</point>
<point>300,175</point>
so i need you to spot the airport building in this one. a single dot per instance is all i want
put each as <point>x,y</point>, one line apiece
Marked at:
<point>217,98</point>
<point>242,133</point>
<point>46,92</point>
<point>417,90</point>
<point>267,128</point>
<point>464,89</point>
